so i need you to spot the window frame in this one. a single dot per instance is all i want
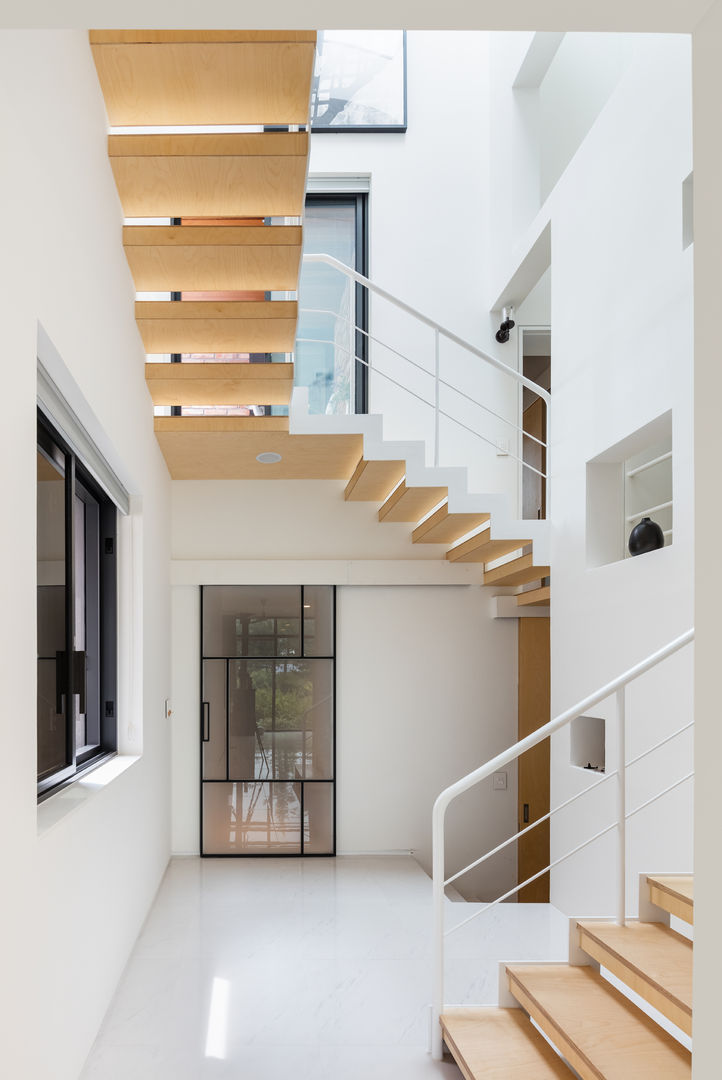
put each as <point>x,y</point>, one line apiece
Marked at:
<point>79,483</point>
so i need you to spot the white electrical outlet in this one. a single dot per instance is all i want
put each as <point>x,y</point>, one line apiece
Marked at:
<point>498,781</point>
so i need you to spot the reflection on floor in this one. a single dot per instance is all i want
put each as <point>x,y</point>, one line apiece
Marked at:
<point>312,968</point>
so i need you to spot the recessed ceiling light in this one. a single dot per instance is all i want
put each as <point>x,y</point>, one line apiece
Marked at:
<point>268,457</point>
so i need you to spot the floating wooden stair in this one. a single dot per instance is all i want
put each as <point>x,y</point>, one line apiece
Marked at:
<point>499,1044</point>
<point>535,597</point>
<point>225,448</point>
<point>161,77</point>
<point>373,480</point>
<point>259,174</point>
<point>650,959</point>
<point>599,1031</point>
<point>516,572</point>
<point>217,325</point>
<point>209,384</point>
<point>482,549</point>
<point>673,893</point>
<point>409,504</point>
<point>212,258</point>
<point>443,528</point>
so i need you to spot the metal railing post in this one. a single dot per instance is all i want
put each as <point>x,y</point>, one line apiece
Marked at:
<point>437,377</point>
<point>621,809</point>
<point>437,873</point>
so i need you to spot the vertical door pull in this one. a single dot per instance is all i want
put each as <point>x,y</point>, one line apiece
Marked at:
<point>206,722</point>
<point>526,813</point>
<point>79,678</point>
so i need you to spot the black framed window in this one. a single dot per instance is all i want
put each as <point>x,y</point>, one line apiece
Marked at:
<point>76,615</point>
<point>267,720</point>
<point>332,344</point>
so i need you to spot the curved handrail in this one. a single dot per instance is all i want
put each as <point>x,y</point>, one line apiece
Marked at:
<point>616,686</point>
<point>403,306</point>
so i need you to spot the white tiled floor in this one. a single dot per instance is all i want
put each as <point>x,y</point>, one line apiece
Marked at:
<point>319,968</point>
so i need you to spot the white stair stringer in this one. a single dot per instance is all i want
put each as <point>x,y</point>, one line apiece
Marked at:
<point>504,525</point>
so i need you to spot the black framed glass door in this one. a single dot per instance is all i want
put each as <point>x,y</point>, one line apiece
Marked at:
<point>267,724</point>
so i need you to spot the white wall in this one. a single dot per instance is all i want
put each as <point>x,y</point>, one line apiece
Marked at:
<point>426,688</point>
<point>75,892</point>
<point>621,355</point>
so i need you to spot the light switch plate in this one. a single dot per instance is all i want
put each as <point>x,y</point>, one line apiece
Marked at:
<point>498,781</point>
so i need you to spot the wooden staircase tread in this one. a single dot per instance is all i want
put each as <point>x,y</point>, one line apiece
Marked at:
<point>443,527</point>
<point>226,447</point>
<point>210,326</point>
<point>232,79</point>
<point>516,572</point>
<point>651,959</point>
<point>674,893</point>
<point>499,1044</point>
<point>372,481</point>
<point>260,174</point>
<point>409,504</point>
<point>175,258</point>
<point>213,384</point>
<point>482,549</point>
<point>534,597</point>
<point>599,1031</point>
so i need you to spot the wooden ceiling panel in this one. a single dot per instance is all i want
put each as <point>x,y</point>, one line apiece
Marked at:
<point>211,384</point>
<point>212,258</point>
<point>201,448</point>
<point>251,175</point>
<point>208,82</point>
<point>171,37</point>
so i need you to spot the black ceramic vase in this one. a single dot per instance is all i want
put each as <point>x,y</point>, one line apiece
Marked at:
<point>644,537</point>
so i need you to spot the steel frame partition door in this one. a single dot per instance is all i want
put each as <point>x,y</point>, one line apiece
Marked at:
<point>267,720</point>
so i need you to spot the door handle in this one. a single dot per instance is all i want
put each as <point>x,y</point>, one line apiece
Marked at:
<point>526,813</point>
<point>205,721</point>
<point>78,676</point>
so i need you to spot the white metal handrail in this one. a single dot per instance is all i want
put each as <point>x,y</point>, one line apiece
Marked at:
<point>439,332</point>
<point>617,687</point>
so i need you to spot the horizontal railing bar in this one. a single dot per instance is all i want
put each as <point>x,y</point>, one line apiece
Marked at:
<point>419,367</point>
<point>662,743</point>
<point>517,888</point>
<point>651,510</point>
<point>659,796</point>
<point>513,752</point>
<point>649,464</point>
<point>355,276</point>
<point>539,821</point>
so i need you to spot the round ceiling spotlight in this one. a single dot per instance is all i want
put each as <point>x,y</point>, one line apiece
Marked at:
<point>269,457</point>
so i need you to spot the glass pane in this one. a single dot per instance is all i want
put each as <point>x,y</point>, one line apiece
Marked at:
<point>318,620</point>
<point>318,819</point>
<point>327,309</point>
<point>251,818</point>
<point>281,719</point>
<point>52,750</point>
<point>214,720</point>
<point>233,614</point>
<point>359,80</point>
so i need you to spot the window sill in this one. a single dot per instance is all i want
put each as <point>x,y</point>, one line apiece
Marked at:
<point>57,807</point>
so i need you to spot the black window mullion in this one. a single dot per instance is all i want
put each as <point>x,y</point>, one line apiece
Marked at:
<point>70,641</point>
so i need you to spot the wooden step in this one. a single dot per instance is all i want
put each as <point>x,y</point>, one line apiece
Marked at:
<point>481,548</point>
<point>225,448</point>
<point>259,174</point>
<point>516,572</point>
<point>673,893</point>
<point>373,480</point>
<point>534,597</point>
<point>225,78</point>
<point>204,326</point>
<point>650,959</point>
<point>213,258</point>
<point>411,503</point>
<point>443,527</point>
<point>499,1044</point>
<point>599,1031</point>
<point>214,384</point>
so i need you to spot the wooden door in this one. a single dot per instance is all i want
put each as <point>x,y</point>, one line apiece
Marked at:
<point>534,485</point>
<point>533,776</point>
